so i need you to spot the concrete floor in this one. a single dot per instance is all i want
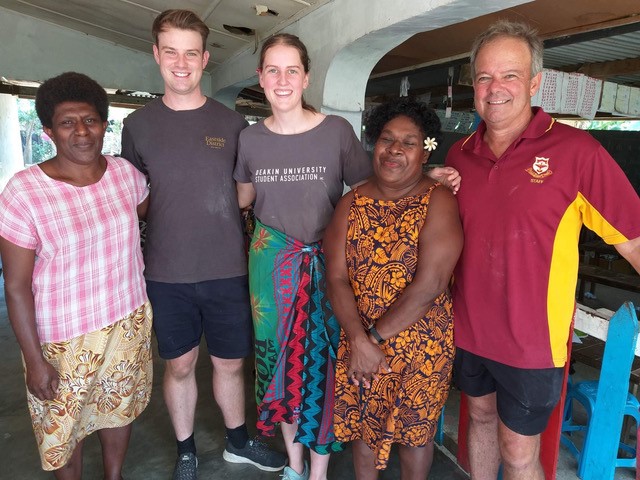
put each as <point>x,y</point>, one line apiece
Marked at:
<point>152,449</point>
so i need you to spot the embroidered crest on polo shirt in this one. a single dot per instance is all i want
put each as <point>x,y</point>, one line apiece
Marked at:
<point>215,142</point>
<point>539,169</point>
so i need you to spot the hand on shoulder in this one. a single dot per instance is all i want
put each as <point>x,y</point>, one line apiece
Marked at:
<point>448,176</point>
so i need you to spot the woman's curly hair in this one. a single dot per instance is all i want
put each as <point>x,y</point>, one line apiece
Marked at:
<point>419,113</point>
<point>70,87</point>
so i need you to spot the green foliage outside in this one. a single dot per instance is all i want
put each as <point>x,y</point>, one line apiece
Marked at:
<point>626,125</point>
<point>36,146</point>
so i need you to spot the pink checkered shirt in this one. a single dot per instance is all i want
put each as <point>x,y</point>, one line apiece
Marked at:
<point>88,267</point>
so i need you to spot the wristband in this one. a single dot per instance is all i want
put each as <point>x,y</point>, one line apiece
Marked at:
<point>374,333</point>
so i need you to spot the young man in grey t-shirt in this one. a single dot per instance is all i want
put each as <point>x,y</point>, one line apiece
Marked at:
<point>195,261</point>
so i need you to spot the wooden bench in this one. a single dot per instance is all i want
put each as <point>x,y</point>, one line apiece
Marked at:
<point>602,276</point>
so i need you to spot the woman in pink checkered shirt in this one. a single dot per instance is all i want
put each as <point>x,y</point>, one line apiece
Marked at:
<point>75,293</point>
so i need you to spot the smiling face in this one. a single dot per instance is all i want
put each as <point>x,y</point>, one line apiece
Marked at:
<point>503,85</point>
<point>283,78</point>
<point>398,155</point>
<point>78,132</point>
<point>181,59</point>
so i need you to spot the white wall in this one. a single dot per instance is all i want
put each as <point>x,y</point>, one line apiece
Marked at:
<point>34,50</point>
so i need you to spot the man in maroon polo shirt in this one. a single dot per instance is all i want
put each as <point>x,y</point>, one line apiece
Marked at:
<point>530,184</point>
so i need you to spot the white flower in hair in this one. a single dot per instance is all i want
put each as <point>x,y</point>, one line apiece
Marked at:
<point>430,144</point>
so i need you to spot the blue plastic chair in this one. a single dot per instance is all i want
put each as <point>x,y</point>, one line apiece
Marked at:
<point>606,402</point>
<point>439,438</point>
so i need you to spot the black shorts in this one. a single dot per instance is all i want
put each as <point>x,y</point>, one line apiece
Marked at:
<point>525,397</point>
<point>219,308</point>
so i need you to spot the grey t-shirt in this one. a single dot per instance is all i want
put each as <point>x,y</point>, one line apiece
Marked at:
<point>194,231</point>
<point>299,178</point>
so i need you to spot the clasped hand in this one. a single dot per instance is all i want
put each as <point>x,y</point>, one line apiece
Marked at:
<point>366,361</point>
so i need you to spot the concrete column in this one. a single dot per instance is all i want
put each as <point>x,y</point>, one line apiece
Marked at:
<point>10,143</point>
<point>227,96</point>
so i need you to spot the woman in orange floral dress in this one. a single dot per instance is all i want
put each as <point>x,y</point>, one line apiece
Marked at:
<point>391,248</point>
<point>75,293</point>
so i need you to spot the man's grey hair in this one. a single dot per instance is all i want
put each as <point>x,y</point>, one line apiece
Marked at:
<point>507,28</point>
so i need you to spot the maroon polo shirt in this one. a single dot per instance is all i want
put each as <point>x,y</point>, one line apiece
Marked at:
<point>514,290</point>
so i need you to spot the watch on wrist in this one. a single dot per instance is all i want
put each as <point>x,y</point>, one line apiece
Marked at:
<point>374,333</point>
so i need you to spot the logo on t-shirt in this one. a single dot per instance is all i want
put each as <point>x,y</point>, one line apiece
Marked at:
<point>289,174</point>
<point>215,142</point>
<point>539,170</point>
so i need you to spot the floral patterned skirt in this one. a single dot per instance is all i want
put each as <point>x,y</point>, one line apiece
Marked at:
<point>404,405</point>
<point>105,382</point>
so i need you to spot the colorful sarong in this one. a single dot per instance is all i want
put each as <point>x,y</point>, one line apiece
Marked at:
<point>105,382</point>
<point>296,338</point>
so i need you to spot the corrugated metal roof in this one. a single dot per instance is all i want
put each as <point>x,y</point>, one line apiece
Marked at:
<point>618,47</point>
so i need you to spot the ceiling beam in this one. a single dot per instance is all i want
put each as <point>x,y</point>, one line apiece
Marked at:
<point>115,99</point>
<point>604,70</point>
<point>209,11</point>
<point>587,33</point>
<point>138,5</point>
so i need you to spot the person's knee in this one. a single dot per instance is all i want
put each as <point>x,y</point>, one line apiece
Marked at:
<point>363,457</point>
<point>519,452</point>
<point>483,409</point>
<point>183,366</point>
<point>415,462</point>
<point>483,415</point>
<point>228,366</point>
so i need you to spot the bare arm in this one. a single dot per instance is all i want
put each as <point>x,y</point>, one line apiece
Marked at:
<point>631,252</point>
<point>366,357</point>
<point>440,246</point>
<point>142,208</point>
<point>246,194</point>
<point>448,176</point>
<point>18,263</point>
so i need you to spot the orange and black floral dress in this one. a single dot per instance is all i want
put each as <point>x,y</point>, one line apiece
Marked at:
<point>402,406</point>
